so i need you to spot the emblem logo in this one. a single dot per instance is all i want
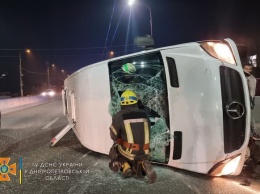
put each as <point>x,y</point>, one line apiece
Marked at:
<point>5,169</point>
<point>235,110</point>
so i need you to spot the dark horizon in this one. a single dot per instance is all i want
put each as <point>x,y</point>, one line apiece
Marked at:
<point>72,35</point>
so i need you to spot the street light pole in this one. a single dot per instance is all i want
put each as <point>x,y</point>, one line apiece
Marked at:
<point>151,20</point>
<point>20,72</point>
<point>59,79</point>
<point>48,74</point>
<point>131,2</point>
<point>60,73</point>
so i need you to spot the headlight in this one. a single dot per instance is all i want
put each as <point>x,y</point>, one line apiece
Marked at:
<point>231,166</point>
<point>219,50</point>
<point>44,93</point>
<point>51,93</point>
<point>225,167</point>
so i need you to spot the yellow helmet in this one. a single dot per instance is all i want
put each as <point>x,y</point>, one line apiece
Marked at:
<point>128,97</point>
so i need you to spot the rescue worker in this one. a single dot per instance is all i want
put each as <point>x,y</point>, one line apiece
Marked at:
<point>254,150</point>
<point>251,81</point>
<point>130,130</point>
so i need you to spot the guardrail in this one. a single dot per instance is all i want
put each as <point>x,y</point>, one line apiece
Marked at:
<point>14,104</point>
<point>4,95</point>
<point>7,105</point>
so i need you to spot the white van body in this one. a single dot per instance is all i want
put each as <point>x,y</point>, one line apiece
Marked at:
<point>205,101</point>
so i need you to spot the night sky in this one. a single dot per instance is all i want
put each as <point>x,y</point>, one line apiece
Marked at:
<point>73,34</point>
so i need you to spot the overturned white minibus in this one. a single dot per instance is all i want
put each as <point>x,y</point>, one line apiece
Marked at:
<point>195,94</point>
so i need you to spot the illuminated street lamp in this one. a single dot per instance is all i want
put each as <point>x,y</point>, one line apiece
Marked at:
<point>111,54</point>
<point>48,73</point>
<point>60,73</point>
<point>54,67</point>
<point>20,70</point>
<point>132,2</point>
<point>63,72</point>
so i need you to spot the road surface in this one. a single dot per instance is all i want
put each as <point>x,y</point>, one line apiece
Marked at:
<point>71,168</point>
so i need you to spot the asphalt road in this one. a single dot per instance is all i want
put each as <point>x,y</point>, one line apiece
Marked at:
<point>71,168</point>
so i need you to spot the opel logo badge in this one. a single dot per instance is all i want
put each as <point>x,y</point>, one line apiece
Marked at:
<point>235,110</point>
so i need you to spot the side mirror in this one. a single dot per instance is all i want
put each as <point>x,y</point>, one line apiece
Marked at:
<point>144,41</point>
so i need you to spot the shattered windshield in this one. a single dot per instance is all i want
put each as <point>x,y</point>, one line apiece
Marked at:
<point>145,76</point>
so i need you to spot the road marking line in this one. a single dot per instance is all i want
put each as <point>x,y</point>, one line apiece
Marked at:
<point>50,123</point>
<point>87,153</point>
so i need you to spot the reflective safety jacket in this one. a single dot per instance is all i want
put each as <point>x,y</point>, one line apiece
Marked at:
<point>130,128</point>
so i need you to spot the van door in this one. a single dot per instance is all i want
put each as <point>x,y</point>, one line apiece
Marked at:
<point>145,75</point>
